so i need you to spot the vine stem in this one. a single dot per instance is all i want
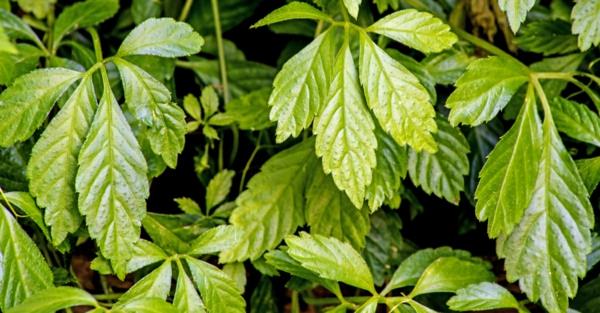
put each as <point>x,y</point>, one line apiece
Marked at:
<point>186,10</point>
<point>221,50</point>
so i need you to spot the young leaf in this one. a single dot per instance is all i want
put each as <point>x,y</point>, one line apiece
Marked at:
<point>6,45</point>
<point>251,111</point>
<point>344,131</point>
<point>331,259</point>
<point>400,103</point>
<point>218,188</point>
<point>53,164</point>
<point>484,296</point>
<point>554,234</point>
<point>448,274</point>
<point>442,172</point>
<point>291,11</point>
<point>186,298</point>
<point>54,299</point>
<point>576,120</point>
<point>23,270</point>
<point>392,165</point>
<point>150,102</point>
<point>301,87</point>
<point>163,37</point>
<point>352,6</point>
<point>516,11</point>
<point>26,103</point>
<point>215,239</point>
<point>272,206</point>
<point>547,37</point>
<point>144,254</point>
<point>330,213</point>
<point>188,205</point>
<point>157,284</point>
<point>144,305</point>
<point>83,14</point>
<point>16,28</point>
<point>219,292</point>
<point>484,90</point>
<point>112,183</point>
<point>507,180</point>
<point>589,169</point>
<point>586,23</point>
<point>418,30</point>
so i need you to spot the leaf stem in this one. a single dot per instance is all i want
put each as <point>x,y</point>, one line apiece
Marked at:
<point>186,10</point>
<point>221,50</point>
<point>543,99</point>
<point>484,45</point>
<point>250,159</point>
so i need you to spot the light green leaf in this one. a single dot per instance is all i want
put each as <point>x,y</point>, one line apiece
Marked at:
<point>23,269</point>
<point>409,271</point>
<point>26,103</point>
<point>370,306</point>
<point>516,11</point>
<point>25,202</point>
<point>330,213</point>
<point>218,291</point>
<point>547,37</point>
<point>300,88</point>
<point>53,164</point>
<point>163,37</point>
<point>586,23</point>
<point>507,180</point>
<point>15,65</point>
<point>237,272</point>
<point>81,15</point>
<point>157,284</point>
<point>251,111</point>
<point>483,296</point>
<point>273,205</point>
<point>144,254</point>
<point>39,8</point>
<point>331,259</point>
<point>186,297</point>
<point>576,120</point>
<point>5,44</point>
<point>209,100</point>
<point>16,28</point>
<point>448,274</point>
<point>54,299</point>
<point>344,131</point>
<point>589,169</point>
<point>418,30</point>
<point>484,90</point>
<point>215,239</point>
<point>400,103</point>
<point>144,305</point>
<point>420,308</point>
<point>291,11</point>
<point>112,183</point>
<point>554,234</point>
<point>163,235</point>
<point>188,205</point>
<point>352,6</point>
<point>218,188</point>
<point>391,168</point>
<point>192,107</point>
<point>150,101</point>
<point>442,172</point>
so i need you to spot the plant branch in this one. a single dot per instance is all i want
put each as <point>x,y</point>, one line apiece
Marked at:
<point>186,10</point>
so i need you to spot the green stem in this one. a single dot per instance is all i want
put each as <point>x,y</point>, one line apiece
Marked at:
<point>186,10</point>
<point>108,296</point>
<point>484,45</point>
<point>221,50</point>
<point>252,156</point>
<point>10,207</point>
<point>543,99</point>
<point>99,57</point>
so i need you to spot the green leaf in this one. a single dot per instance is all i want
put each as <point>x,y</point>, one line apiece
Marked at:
<point>331,259</point>
<point>53,164</point>
<point>554,234</point>
<point>449,274</point>
<point>163,235</point>
<point>112,183</point>
<point>352,6</point>
<point>586,23</point>
<point>150,102</point>
<point>5,44</point>
<point>420,308</point>
<point>144,305</point>
<point>409,271</point>
<point>13,165</point>
<point>218,188</point>
<point>144,254</point>
<point>23,270</point>
<point>283,262</point>
<point>157,284</point>
<point>391,168</point>
<point>81,15</point>
<point>507,180</point>
<point>163,37</point>
<point>547,37</point>
<point>215,239</point>
<point>186,298</point>
<point>330,213</point>
<point>263,299</point>
<point>219,292</point>
<point>516,11</point>
<point>344,131</point>
<point>26,203</point>
<point>188,205</point>
<point>26,103</point>
<point>483,296</point>
<point>250,111</point>
<point>291,11</point>
<point>589,169</point>
<point>400,103</point>
<point>484,90</point>
<point>301,87</point>
<point>566,63</point>
<point>447,66</point>
<point>418,30</point>
<point>576,120</point>
<point>39,8</point>
<point>192,107</point>
<point>142,10</point>
<point>237,272</point>
<point>15,65</point>
<point>442,172</point>
<point>16,28</point>
<point>54,299</point>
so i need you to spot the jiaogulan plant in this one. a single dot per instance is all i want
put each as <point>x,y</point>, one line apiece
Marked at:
<point>228,156</point>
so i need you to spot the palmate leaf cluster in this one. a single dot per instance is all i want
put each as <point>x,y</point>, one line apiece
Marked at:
<point>363,117</point>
